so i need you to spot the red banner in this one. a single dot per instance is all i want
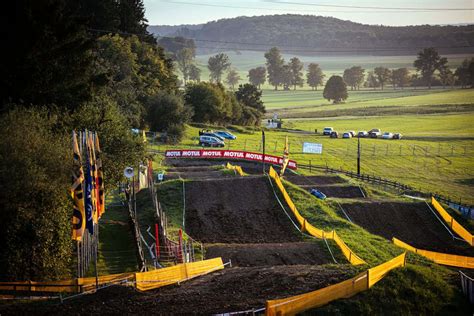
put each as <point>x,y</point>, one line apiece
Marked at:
<point>227,154</point>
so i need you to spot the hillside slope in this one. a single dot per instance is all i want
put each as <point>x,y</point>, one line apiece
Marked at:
<point>306,33</point>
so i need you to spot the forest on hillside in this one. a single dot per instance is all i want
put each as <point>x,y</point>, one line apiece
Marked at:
<point>308,34</point>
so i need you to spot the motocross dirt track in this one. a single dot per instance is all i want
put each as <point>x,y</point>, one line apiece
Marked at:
<point>236,210</point>
<point>413,223</point>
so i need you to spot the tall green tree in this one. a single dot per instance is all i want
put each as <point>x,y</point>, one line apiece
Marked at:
<point>400,77</point>
<point>132,19</point>
<point>371,81</point>
<point>275,64</point>
<point>209,102</point>
<point>35,211</point>
<point>446,76</point>
<point>314,76</point>
<point>232,78</point>
<point>217,65</point>
<point>257,76</point>
<point>286,77</point>
<point>184,59</point>
<point>168,113</point>
<point>354,77</point>
<point>46,55</point>
<point>194,73</point>
<point>296,69</point>
<point>249,95</point>
<point>335,89</point>
<point>383,75</point>
<point>465,73</point>
<point>427,62</point>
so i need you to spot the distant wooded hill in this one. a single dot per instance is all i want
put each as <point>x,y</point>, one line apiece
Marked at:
<point>309,34</point>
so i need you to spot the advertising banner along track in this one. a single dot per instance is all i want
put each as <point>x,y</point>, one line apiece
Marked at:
<point>227,154</point>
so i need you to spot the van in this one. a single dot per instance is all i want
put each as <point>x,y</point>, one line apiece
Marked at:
<point>327,130</point>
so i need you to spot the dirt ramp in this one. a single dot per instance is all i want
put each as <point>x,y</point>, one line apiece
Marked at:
<point>413,223</point>
<point>236,210</point>
<point>250,255</point>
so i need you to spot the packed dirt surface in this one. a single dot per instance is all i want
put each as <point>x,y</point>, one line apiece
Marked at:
<point>413,223</point>
<point>250,255</point>
<point>228,290</point>
<point>313,180</point>
<point>337,191</point>
<point>196,172</point>
<point>236,210</point>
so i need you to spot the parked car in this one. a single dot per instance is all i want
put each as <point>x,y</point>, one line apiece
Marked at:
<point>327,130</point>
<point>212,135</point>
<point>225,135</point>
<point>375,132</point>
<point>363,134</point>
<point>353,133</point>
<point>334,134</point>
<point>210,141</point>
<point>387,135</point>
<point>347,135</point>
<point>320,195</point>
<point>397,136</point>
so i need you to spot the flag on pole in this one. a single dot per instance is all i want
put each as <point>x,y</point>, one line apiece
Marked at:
<point>89,188</point>
<point>100,178</point>
<point>77,194</point>
<point>94,178</point>
<point>286,158</point>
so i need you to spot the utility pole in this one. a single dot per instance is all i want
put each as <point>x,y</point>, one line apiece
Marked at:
<point>263,151</point>
<point>358,155</point>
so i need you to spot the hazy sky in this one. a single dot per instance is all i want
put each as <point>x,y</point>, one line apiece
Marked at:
<point>388,12</point>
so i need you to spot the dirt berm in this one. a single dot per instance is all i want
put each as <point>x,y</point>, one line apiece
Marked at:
<point>228,290</point>
<point>413,223</point>
<point>236,210</point>
<point>251,255</point>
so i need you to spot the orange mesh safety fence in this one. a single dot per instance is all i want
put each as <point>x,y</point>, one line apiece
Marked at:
<point>453,224</point>
<point>310,229</point>
<point>181,272</point>
<point>438,257</point>
<point>300,303</point>
<point>237,169</point>
<point>144,280</point>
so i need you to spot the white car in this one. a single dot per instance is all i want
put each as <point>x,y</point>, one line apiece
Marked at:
<point>327,130</point>
<point>387,135</point>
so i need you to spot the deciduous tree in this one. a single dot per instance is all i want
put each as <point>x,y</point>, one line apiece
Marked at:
<point>335,89</point>
<point>296,67</point>
<point>383,75</point>
<point>427,62</point>
<point>275,65</point>
<point>354,77</point>
<point>217,65</point>
<point>314,76</point>
<point>232,78</point>
<point>257,76</point>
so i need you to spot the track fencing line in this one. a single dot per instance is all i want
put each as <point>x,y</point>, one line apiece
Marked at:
<point>184,202</point>
<point>361,191</point>
<point>343,211</point>
<point>249,311</point>
<point>442,223</point>
<point>108,284</point>
<point>294,224</point>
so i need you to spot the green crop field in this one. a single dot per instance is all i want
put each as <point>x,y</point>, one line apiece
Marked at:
<point>435,154</point>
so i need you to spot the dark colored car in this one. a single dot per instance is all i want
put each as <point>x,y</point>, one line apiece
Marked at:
<point>334,134</point>
<point>397,136</point>
<point>225,135</point>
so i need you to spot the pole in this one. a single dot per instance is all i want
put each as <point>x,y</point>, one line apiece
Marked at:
<point>263,150</point>
<point>96,246</point>
<point>358,155</point>
<point>157,242</point>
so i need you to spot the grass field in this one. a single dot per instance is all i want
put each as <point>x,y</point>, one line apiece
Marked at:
<point>435,155</point>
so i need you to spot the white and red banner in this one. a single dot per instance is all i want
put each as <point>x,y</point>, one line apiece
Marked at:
<point>227,154</point>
